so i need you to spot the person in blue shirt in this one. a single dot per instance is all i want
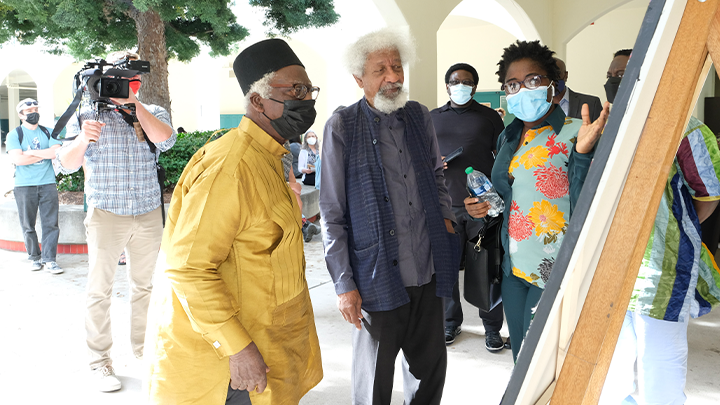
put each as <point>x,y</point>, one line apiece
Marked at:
<point>35,185</point>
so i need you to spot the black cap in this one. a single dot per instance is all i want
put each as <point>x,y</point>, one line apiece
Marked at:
<point>261,58</point>
<point>462,66</point>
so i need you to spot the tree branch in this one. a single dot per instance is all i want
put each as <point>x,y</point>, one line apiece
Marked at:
<point>132,10</point>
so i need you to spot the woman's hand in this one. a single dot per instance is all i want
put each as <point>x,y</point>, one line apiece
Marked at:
<point>475,208</point>
<point>590,132</point>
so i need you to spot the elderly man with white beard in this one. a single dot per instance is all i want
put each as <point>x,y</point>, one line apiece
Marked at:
<point>387,225</point>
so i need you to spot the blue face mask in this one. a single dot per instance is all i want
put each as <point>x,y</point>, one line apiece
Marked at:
<point>460,94</point>
<point>560,86</point>
<point>530,105</point>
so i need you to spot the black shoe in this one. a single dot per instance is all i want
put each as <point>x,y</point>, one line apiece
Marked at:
<point>304,230</point>
<point>493,341</point>
<point>450,334</point>
<point>507,344</point>
<point>312,229</point>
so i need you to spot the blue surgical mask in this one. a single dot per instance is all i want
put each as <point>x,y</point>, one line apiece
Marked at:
<point>460,94</point>
<point>530,105</point>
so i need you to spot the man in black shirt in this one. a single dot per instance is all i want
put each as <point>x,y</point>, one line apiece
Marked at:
<point>464,122</point>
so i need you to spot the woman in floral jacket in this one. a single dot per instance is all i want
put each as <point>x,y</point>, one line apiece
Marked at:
<point>543,158</point>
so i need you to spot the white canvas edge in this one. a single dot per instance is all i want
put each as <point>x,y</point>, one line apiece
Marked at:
<point>543,366</point>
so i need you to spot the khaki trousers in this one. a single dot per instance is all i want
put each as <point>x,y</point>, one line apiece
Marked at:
<point>107,235</point>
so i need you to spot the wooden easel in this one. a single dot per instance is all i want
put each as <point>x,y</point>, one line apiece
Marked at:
<point>566,353</point>
<point>587,361</point>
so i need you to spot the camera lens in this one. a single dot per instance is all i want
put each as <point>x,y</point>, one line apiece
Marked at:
<point>112,88</point>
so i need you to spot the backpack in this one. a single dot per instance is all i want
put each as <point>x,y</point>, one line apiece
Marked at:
<point>20,141</point>
<point>20,133</point>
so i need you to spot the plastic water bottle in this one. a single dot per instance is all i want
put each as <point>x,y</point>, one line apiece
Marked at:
<point>480,187</point>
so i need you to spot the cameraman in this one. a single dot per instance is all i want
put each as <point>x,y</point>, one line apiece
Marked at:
<point>123,197</point>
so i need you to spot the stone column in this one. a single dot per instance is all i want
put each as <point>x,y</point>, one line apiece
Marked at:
<point>13,100</point>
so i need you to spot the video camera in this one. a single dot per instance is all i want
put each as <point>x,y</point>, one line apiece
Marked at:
<point>97,82</point>
<point>104,80</point>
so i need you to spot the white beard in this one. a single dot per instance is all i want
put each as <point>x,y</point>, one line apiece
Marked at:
<point>389,104</point>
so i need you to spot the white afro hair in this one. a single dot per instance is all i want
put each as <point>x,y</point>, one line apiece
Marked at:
<point>386,38</point>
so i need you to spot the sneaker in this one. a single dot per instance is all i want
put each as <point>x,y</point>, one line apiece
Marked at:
<point>507,344</point>
<point>312,229</point>
<point>36,265</point>
<point>450,334</point>
<point>493,342</point>
<point>53,268</point>
<point>105,379</point>
<point>304,229</point>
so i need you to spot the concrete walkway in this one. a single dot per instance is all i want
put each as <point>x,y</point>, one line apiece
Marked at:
<point>43,355</point>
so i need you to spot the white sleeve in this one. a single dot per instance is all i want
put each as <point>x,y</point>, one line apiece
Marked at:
<point>302,160</point>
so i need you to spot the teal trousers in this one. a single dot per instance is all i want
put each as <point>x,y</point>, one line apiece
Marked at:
<point>519,298</point>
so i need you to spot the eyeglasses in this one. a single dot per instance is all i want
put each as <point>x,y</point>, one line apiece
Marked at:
<point>29,103</point>
<point>465,82</point>
<point>530,82</point>
<point>301,90</point>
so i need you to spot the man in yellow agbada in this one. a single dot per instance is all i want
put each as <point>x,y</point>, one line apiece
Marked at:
<point>231,320</point>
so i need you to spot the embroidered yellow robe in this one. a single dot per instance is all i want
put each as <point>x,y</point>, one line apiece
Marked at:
<point>234,273</point>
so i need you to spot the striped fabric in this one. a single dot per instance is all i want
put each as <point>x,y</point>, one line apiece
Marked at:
<point>678,276</point>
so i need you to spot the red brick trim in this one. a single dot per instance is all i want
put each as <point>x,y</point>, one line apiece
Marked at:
<point>62,248</point>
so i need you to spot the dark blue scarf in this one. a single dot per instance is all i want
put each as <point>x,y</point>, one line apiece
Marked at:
<point>371,222</point>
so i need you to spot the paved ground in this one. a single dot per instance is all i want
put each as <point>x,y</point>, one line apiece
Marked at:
<point>43,354</point>
<point>43,358</point>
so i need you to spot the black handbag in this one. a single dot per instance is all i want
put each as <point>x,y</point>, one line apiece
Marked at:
<point>483,266</point>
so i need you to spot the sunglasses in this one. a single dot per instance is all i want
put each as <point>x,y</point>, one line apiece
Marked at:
<point>29,103</point>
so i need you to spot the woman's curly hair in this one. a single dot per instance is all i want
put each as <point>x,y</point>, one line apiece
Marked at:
<point>533,50</point>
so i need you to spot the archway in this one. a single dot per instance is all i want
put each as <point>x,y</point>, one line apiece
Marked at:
<point>16,85</point>
<point>476,32</point>
<point>590,51</point>
<point>425,18</point>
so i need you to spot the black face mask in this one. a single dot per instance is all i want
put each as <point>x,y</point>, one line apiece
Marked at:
<point>32,118</point>
<point>297,117</point>
<point>611,88</point>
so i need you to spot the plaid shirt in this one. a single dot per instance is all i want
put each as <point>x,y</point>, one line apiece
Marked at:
<point>121,173</point>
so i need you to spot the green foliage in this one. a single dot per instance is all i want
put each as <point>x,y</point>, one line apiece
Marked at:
<point>93,28</point>
<point>71,182</point>
<point>175,159</point>
<point>289,16</point>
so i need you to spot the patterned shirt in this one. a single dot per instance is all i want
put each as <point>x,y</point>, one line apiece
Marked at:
<point>540,209</point>
<point>678,275</point>
<point>121,176</point>
<point>287,161</point>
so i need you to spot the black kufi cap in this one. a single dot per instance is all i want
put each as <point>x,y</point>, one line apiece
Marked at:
<point>261,58</point>
<point>462,66</point>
